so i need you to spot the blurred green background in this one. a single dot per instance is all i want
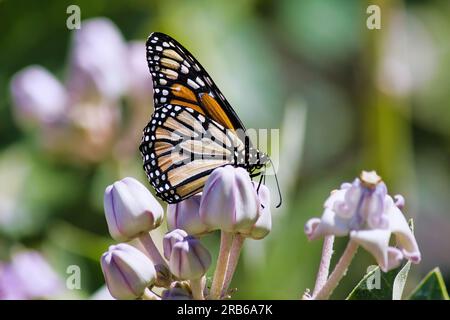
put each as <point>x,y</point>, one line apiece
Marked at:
<point>344,97</point>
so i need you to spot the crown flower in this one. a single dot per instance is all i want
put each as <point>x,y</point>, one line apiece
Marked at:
<point>364,211</point>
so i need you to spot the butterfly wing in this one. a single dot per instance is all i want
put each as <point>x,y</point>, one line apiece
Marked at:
<point>181,147</point>
<point>178,78</point>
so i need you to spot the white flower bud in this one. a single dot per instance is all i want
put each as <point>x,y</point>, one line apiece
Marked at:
<point>130,209</point>
<point>229,201</point>
<point>127,271</point>
<point>189,259</point>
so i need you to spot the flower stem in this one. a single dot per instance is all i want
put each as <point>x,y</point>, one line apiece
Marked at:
<point>236,247</point>
<point>324,267</point>
<point>338,273</point>
<point>152,250</point>
<point>197,287</point>
<point>221,266</point>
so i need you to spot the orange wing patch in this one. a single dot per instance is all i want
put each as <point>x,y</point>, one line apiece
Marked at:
<point>215,110</point>
<point>178,90</point>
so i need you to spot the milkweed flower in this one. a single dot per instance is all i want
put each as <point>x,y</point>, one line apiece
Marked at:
<point>127,271</point>
<point>364,211</point>
<point>130,209</point>
<point>229,201</point>
<point>185,215</point>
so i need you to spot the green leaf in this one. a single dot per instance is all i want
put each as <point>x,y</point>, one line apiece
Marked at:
<point>400,281</point>
<point>378,285</point>
<point>432,287</point>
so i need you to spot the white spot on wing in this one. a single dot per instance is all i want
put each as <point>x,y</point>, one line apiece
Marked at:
<point>192,84</point>
<point>184,70</point>
<point>199,81</point>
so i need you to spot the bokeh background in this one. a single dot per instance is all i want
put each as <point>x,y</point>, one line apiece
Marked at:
<point>345,98</point>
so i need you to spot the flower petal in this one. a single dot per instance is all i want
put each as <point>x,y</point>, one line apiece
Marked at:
<point>331,223</point>
<point>403,234</point>
<point>395,257</point>
<point>376,242</point>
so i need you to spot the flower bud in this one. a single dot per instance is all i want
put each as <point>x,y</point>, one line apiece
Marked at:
<point>229,201</point>
<point>28,276</point>
<point>189,259</point>
<point>140,86</point>
<point>263,225</point>
<point>170,239</point>
<point>127,271</point>
<point>130,209</point>
<point>98,62</point>
<point>38,96</point>
<point>186,215</point>
<point>178,291</point>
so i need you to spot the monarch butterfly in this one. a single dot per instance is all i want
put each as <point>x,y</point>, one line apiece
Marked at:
<point>193,129</point>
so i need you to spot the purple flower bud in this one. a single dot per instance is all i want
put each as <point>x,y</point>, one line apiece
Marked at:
<point>189,259</point>
<point>28,276</point>
<point>186,215</point>
<point>141,86</point>
<point>98,64</point>
<point>229,201</point>
<point>130,209</point>
<point>127,271</point>
<point>399,201</point>
<point>170,239</point>
<point>263,225</point>
<point>38,96</point>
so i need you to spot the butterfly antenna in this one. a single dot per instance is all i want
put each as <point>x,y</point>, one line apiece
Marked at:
<point>278,185</point>
<point>260,181</point>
